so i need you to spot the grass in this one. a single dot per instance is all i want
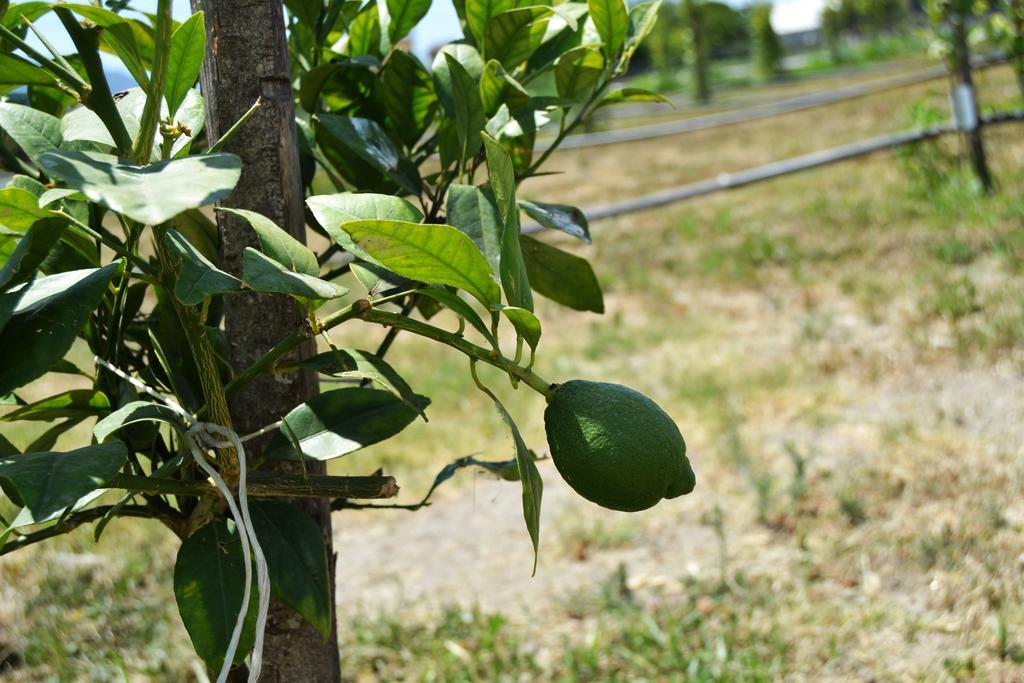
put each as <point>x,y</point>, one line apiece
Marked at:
<point>842,349</point>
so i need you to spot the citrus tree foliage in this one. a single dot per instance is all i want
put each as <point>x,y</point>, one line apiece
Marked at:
<point>413,172</point>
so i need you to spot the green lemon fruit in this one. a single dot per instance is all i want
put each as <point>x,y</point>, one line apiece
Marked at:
<point>616,447</point>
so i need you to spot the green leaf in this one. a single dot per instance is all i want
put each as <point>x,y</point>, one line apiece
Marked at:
<point>642,18</point>
<point>497,88</point>
<point>34,131</point>
<point>19,209</point>
<point>455,303</point>
<point>404,15</point>
<point>512,36</point>
<point>134,413</point>
<point>198,278</point>
<point>428,253</point>
<point>561,276</point>
<point>188,48</point>
<point>332,211</point>
<point>612,22</point>
<point>363,365</point>
<point>148,194</point>
<point>263,274</point>
<point>296,560</point>
<point>474,211</point>
<point>45,317</point>
<point>30,251</point>
<point>72,403</point>
<point>209,583</point>
<point>370,143</point>
<point>480,12</point>
<point>278,244</point>
<point>568,219</point>
<point>469,110</point>
<point>533,485</point>
<point>526,323</point>
<point>341,421</point>
<point>407,90</point>
<point>514,278</point>
<point>578,72</point>
<point>623,95</point>
<point>48,482</point>
<point>364,32</point>
<point>502,176</point>
<point>468,57</point>
<point>15,71</point>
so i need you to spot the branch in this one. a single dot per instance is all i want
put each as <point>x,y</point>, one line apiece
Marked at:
<point>269,485</point>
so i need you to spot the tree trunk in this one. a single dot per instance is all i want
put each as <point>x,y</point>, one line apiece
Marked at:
<point>247,57</point>
<point>969,105</point>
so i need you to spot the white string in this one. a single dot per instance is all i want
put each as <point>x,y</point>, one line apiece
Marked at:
<point>202,436</point>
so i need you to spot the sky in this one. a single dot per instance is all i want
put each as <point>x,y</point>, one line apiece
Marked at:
<point>441,24</point>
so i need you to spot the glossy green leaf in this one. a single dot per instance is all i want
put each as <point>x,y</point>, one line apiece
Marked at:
<point>502,176</point>
<point>188,48</point>
<point>29,251</point>
<point>72,403</point>
<point>428,253</point>
<point>278,244</point>
<point>19,209</point>
<point>403,16</point>
<point>468,57</point>
<point>296,560</point>
<point>526,323</point>
<point>341,421</point>
<point>264,274</point>
<point>209,584</point>
<point>407,90</point>
<point>48,482</point>
<point>149,194</point>
<point>198,279</point>
<point>512,36</point>
<point>514,278</point>
<point>529,476</point>
<point>612,22</point>
<point>642,18</point>
<point>497,87</point>
<point>474,211</point>
<point>469,110</point>
<point>45,316</point>
<point>332,211</point>
<point>15,71</point>
<point>34,131</point>
<point>371,143</point>
<point>358,364</point>
<point>624,95</point>
<point>578,72</point>
<point>364,33</point>
<point>135,413</point>
<point>561,276</point>
<point>568,219</point>
<point>480,12</point>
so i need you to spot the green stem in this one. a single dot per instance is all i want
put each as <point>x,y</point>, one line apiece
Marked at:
<point>98,99</point>
<point>155,92</point>
<point>49,46</point>
<point>71,522</point>
<point>217,146</point>
<point>563,131</point>
<point>534,381</point>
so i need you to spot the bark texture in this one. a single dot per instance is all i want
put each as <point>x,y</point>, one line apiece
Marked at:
<point>962,73</point>
<point>247,58</point>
